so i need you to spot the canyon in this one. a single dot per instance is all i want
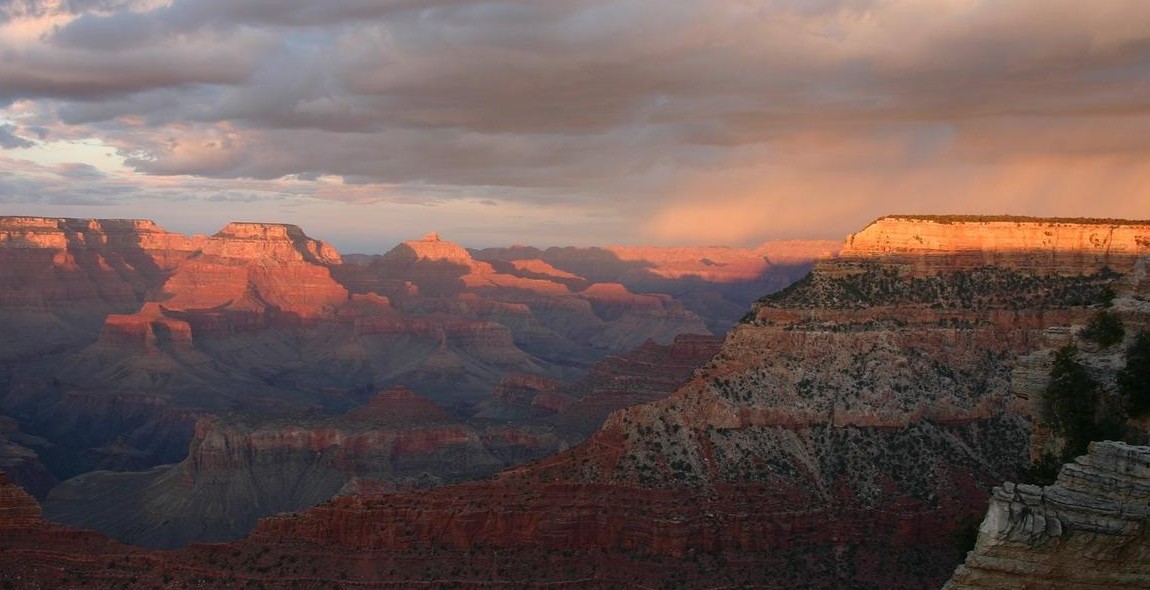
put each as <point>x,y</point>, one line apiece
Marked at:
<point>841,435</point>
<point>241,469</point>
<point>1087,527</point>
<point>124,347</point>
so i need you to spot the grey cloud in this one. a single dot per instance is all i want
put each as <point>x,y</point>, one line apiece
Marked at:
<point>15,9</point>
<point>23,191</point>
<point>80,171</point>
<point>588,100</point>
<point>9,139</point>
<point>93,77</point>
<point>104,31</point>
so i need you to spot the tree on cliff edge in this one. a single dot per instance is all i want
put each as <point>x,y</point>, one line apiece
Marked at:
<point>1072,401</point>
<point>1134,380</point>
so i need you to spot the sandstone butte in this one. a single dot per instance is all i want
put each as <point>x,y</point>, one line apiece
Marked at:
<point>123,336</point>
<point>120,310</point>
<point>117,336</point>
<point>839,437</point>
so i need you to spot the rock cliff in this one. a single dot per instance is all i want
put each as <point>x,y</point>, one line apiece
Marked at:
<point>238,470</point>
<point>254,275</point>
<point>137,333</point>
<point>852,421</point>
<point>1088,530</point>
<point>1058,246</point>
<point>62,276</point>
<point>837,439</point>
<point>715,282</point>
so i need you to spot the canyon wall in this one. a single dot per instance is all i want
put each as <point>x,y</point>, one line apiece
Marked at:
<point>840,436</point>
<point>136,332</point>
<point>1061,246</point>
<point>237,472</point>
<point>62,276</point>
<point>1091,529</point>
<point>240,470</point>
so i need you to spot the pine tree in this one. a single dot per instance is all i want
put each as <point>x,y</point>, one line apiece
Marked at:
<point>1072,400</point>
<point>1134,380</point>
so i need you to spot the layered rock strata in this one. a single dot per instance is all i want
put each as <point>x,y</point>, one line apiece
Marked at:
<point>1046,246</point>
<point>137,333</point>
<point>838,438</point>
<point>237,472</point>
<point>62,276</point>
<point>716,283</point>
<point>1091,529</point>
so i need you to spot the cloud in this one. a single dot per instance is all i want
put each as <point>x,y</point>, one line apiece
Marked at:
<point>676,116</point>
<point>9,140</point>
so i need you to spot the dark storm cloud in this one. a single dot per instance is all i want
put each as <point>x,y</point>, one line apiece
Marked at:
<point>652,102</point>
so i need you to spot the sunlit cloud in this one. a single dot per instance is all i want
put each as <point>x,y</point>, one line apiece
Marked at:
<point>622,121</point>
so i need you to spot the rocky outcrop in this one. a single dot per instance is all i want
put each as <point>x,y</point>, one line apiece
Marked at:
<point>255,275</point>
<point>1088,530</point>
<point>17,507</point>
<point>269,242</point>
<point>62,276</point>
<point>237,471</point>
<point>714,282</point>
<point>1041,246</point>
<point>430,248</point>
<point>21,464</point>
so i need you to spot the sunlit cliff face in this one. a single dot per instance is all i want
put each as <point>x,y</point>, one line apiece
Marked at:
<point>581,121</point>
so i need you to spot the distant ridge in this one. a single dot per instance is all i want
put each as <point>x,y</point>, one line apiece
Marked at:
<point>1015,218</point>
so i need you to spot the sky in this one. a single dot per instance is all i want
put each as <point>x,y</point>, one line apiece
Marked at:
<point>572,122</point>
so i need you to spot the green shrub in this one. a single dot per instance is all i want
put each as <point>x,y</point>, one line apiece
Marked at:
<point>1134,380</point>
<point>1106,297</point>
<point>1105,329</point>
<point>1072,400</point>
<point>1044,471</point>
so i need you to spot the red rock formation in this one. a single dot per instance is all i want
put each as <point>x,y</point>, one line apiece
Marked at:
<point>430,248</point>
<point>858,434</point>
<point>539,268</point>
<point>236,472</point>
<point>1058,246</point>
<point>836,440</point>
<point>17,507</point>
<point>258,272</point>
<point>62,276</point>
<point>715,283</point>
<point>399,406</point>
<point>547,312</point>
